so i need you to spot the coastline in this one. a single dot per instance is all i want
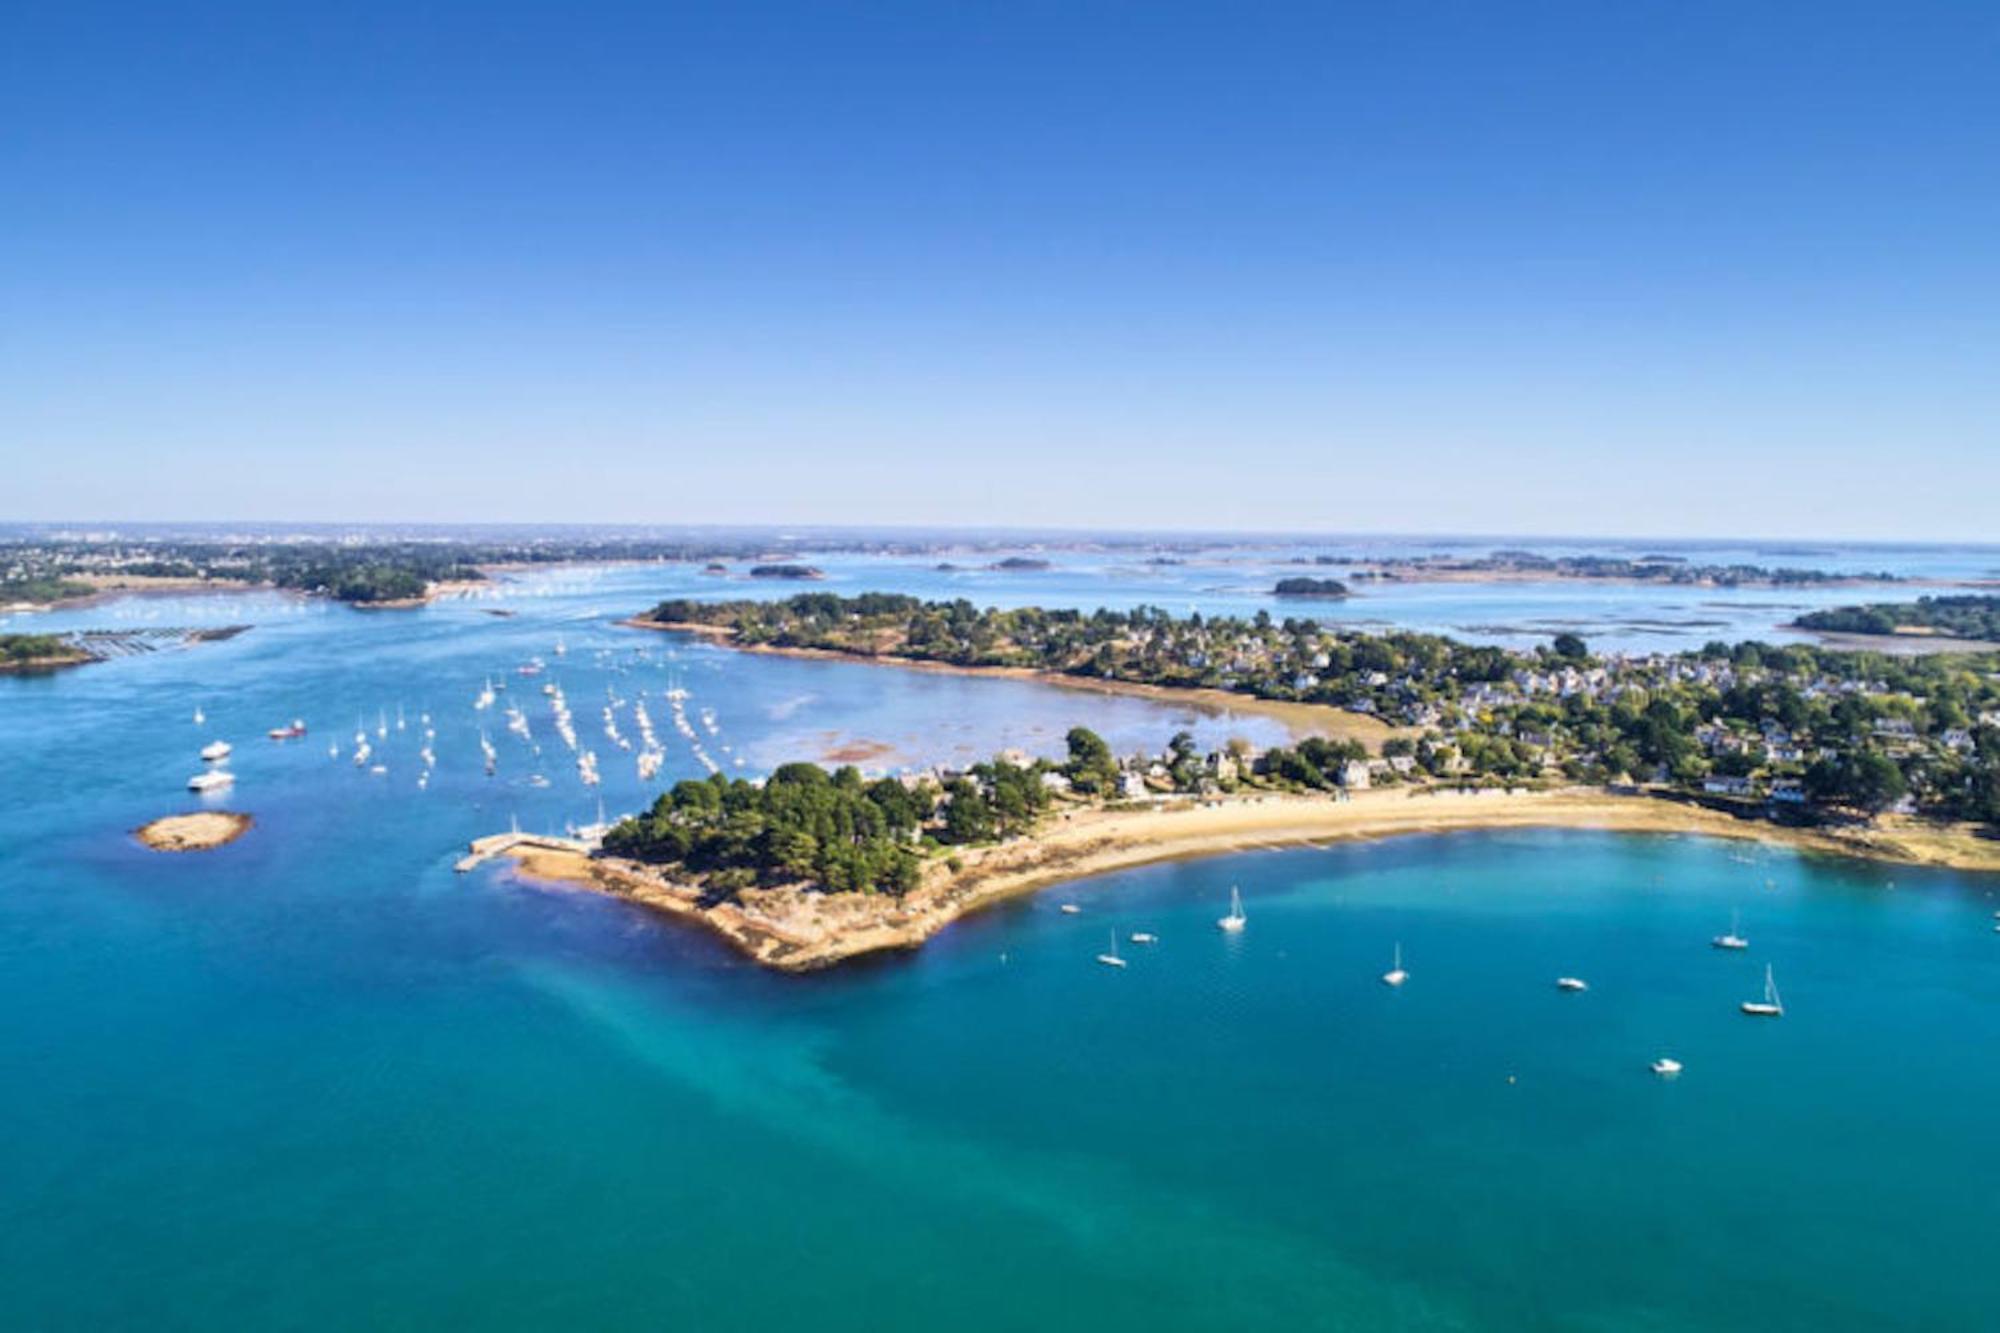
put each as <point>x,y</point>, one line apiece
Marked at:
<point>794,929</point>
<point>1300,720</point>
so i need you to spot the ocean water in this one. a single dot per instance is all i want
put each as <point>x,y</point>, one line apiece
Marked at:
<point>317,1080</point>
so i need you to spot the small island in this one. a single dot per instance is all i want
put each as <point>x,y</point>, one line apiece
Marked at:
<point>39,652</point>
<point>199,831</point>
<point>1023,564</point>
<point>1322,589</point>
<point>786,572</point>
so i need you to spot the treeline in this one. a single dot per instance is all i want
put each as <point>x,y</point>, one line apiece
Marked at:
<point>21,649</point>
<point>42,589</point>
<point>1969,617</point>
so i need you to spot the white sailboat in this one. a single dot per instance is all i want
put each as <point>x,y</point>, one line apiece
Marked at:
<point>1572,983</point>
<point>1770,1006</point>
<point>1396,976</point>
<point>1732,940</point>
<point>199,716</point>
<point>1236,920</point>
<point>1112,959</point>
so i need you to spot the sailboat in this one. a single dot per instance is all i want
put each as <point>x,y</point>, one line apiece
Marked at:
<point>1666,1067</point>
<point>1732,940</point>
<point>1770,1006</point>
<point>1572,983</point>
<point>1235,921</point>
<point>199,716</point>
<point>1112,959</point>
<point>1396,976</point>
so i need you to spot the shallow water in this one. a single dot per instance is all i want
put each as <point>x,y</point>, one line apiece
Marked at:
<point>318,1080</point>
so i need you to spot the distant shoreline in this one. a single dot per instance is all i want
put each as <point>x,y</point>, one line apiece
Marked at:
<point>1299,719</point>
<point>797,929</point>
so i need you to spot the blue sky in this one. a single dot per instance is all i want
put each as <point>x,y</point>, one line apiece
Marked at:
<point>1661,269</point>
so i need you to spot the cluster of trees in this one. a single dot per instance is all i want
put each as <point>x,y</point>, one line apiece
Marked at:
<point>21,649</point>
<point>1969,617</point>
<point>802,823</point>
<point>1305,587</point>
<point>41,589</point>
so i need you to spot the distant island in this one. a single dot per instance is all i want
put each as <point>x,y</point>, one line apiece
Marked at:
<point>1023,564</point>
<point>1323,589</point>
<point>785,572</point>
<point>1975,618</point>
<point>1530,565</point>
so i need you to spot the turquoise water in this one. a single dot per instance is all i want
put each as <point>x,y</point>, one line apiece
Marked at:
<point>316,1080</point>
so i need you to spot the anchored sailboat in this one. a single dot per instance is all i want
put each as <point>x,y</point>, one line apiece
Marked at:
<point>1112,959</point>
<point>1770,1006</point>
<point>1396,976</point>
<point>1732,940</point>
<point>1235,920</point>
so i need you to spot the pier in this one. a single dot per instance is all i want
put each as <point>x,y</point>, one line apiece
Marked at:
<point>499,844</point>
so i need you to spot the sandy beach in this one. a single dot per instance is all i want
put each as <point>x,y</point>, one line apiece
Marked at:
<point>796,929</point>
<point>1300,720</point>
<point>200,831</point>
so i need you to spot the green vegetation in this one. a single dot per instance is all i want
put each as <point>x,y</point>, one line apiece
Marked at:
<point>1303,587</point>
<point>784,572</point>
<point>19,650</point>
<point>1799,727</point>
<point>1959,617</point>
<point>41,589</point>
<point>834,829</point>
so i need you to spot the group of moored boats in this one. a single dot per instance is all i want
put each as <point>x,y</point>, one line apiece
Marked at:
<point>217,776</point>
<point>1771,1005</point>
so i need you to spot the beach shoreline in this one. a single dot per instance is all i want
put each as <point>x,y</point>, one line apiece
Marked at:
<point>1300,720</point>
<point>797,929</point>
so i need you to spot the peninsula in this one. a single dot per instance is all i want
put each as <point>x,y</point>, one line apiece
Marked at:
<point>812,868</point>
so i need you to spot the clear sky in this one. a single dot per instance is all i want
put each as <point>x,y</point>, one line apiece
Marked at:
<point>1665,269</point>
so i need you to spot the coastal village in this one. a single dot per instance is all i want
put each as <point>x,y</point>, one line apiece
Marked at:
<point>1849,734</point>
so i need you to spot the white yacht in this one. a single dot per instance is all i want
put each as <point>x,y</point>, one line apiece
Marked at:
<point>1665,1067</point>
<point>1143,937</point>
<point>1572,983</point>
<point>213,780</point>
<point>215,751</point>
<point>1070,909</point>
<point>1732,940</point>
<point>1396,976</point>
<point>1235,921</point>
<point>1770,1006</point>
<point>1112,959</point>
